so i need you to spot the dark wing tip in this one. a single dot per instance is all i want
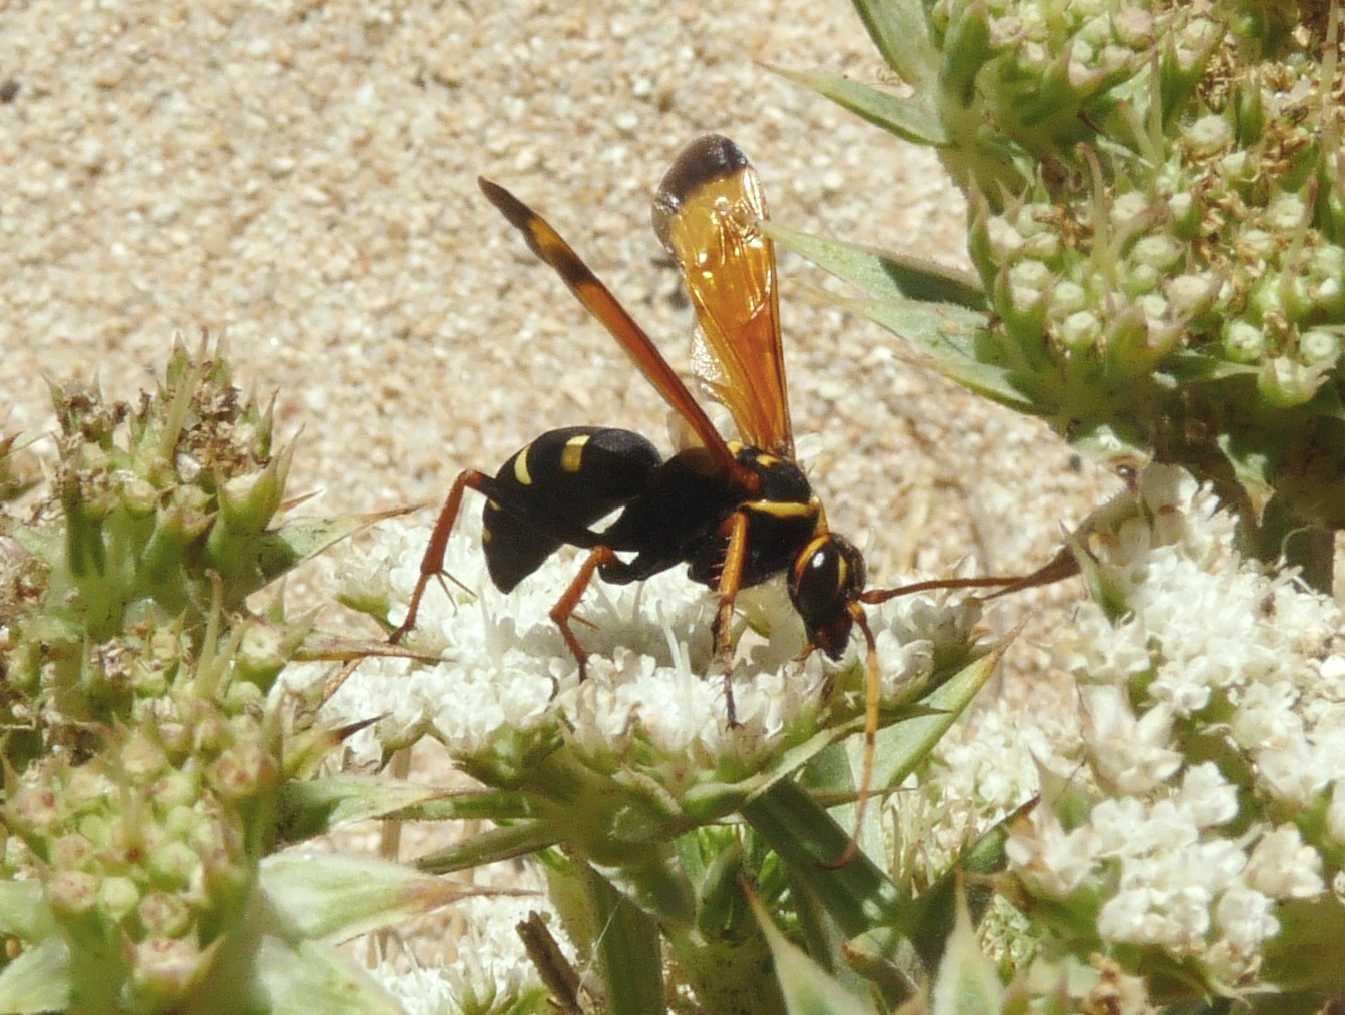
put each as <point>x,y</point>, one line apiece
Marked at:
<point>708,158</point>
<point>518,213</point>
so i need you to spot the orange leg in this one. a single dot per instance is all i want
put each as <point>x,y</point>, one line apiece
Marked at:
<point>432,564</point>
<point>730,581</point>
<point>872,689</point>
<point>565,605</point>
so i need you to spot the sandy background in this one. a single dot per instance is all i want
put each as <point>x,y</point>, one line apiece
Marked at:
<point>301,177</point>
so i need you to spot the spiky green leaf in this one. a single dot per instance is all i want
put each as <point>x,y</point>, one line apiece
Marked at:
<point>899,31</point>
<point>904,747</point>
<point>306,977</point>
<point>332,897</point>
<point>38,980</point>
<point>942,337</point>
<point>966,984</point>
<point>883,274</point>
<point>807,987</point>
<point>494,844</point>
<point>910,119</point>
<point>316,806</point>
<point>24,912</point>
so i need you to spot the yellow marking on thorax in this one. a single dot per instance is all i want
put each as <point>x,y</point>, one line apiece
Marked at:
<point>573,453</point>
<point>821,527</point>
<point>766,461</point>
<point>521,472</point>
<point>494,505</point>
<point>784,508</point>
<point>735,446</point>
<point>806,554</point>
<point>486,536</point>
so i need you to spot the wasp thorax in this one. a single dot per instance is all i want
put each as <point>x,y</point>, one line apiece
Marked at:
<point>826,578</point>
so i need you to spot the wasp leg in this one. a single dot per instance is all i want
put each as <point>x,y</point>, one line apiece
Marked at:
<point>599,556</point>
<point>730,581</point>
<point>432,564</point>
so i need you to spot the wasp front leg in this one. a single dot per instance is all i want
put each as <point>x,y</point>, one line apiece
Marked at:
<point>730,581</point>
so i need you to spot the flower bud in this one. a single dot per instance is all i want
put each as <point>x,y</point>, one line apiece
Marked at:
<point>163,972</point>
<point>1285,382</point>
<point>1080,332</point>
<point>1243,342</point>
<point>72,893</point>
<point>1208,135</point>
<point>164,915</point>
<point>173,864</point>
<point>1319,347</point>
<point>117,896</point>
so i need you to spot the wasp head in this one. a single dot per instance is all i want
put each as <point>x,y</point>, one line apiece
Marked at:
<point>824,583</point>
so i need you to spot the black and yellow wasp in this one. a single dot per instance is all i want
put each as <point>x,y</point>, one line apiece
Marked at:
<point>736,513</point>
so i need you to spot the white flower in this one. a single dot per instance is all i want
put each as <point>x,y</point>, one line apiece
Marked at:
<point>1283,867</point>
<point>1292,774</point>
<point>1207,796</point>
<point>1335,814</point>
<point>492,967</point>
<point>1245,917</point>
<point>507,672</point>
<point>1129,753</point>
<point>1265,718</point>
<point>1050,860</point>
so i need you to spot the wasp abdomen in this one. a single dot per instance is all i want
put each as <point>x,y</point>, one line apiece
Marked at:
<point>571,477</point>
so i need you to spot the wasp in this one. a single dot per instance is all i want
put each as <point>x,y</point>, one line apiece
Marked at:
<point>736,513</point>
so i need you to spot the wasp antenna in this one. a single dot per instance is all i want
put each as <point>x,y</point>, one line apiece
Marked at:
<point>872,686</point>
<point>1062,565</point>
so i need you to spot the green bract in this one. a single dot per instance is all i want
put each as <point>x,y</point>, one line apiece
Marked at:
<point>149,769</point>
<point>1156,194</point>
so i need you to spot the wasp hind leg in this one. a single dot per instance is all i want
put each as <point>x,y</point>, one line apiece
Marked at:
<point>432,563</point>
<point>598,557</point>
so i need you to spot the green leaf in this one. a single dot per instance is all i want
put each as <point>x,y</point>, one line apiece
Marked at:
<point>899,31</point>
<point>285,548</point>
<point>307,977</point>
<point>333,897</point>
<point>942,337</point>
<point>629,950</point>
<point>316,806</point>
<point>38,980</point>
<point>1187,366</point>
<point>712,800</point>
<point>859,897</point>
<point>24,912</point>
<point>966,984</point>
<point>910,119</point>
<point>492,845</point>
<point>807,987</point>
<point>903,747</point>
<point>1305,954</point>
<point>1254,461</point>
<point>882,274</point>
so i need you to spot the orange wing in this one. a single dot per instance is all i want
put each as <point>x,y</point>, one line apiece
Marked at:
<point>547,244</point>
<point>706,213</point>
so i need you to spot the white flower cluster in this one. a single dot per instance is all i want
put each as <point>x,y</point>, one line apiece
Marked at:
<point>1212,654</point>
<point>492,972</point>
<point>507,672</point>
